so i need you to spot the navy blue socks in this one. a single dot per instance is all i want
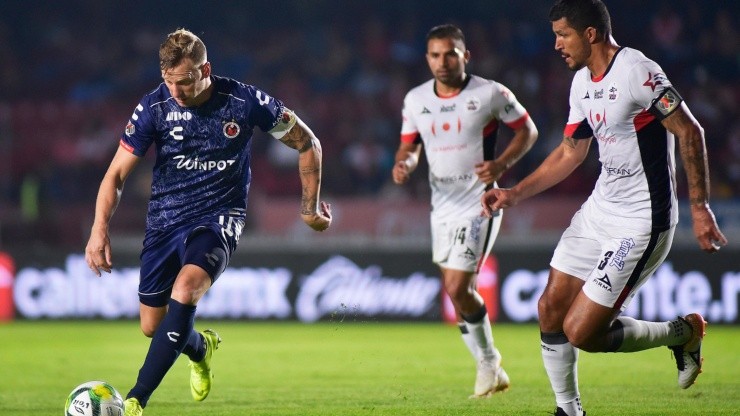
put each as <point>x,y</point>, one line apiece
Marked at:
<point>174,333</point>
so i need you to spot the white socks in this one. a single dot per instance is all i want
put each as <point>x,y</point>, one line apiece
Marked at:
<point>479,329</point>
<point>561,364</point>
<point>468,339</point>
<point>628,334</point>
<point>625,335</point>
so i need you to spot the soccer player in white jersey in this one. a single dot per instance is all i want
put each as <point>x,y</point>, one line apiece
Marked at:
<point>455,117</point>
<point>201,126</point>
<point>624,230</point>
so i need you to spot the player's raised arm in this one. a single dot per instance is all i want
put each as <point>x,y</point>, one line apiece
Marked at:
<point>694,155</point>
<point>98,251</point>
<point>315,213</point>
<point>560,163</point>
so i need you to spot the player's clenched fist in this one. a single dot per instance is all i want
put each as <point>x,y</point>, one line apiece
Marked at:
<point>400,172</point>
<point>319,221</point>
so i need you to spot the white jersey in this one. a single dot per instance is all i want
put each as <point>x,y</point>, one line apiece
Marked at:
<point>622,110</point>
<point>458,132</point>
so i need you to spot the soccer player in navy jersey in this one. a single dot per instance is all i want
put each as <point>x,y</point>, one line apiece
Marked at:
<point>201,126</point>
<point>624,230</point>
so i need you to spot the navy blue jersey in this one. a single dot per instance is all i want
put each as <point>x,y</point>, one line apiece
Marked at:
<point>202,153</point>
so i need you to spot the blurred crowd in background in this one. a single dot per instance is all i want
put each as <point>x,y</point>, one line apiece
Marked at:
<point>72,72</point>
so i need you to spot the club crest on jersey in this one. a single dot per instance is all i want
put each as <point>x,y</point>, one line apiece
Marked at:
<point>473,104</point>
<point>612,92</point>
<point>231,129</point>
<point>130,129</point>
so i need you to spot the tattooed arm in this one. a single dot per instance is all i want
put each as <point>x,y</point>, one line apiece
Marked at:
<point>557,166</point>
<point>694,155</point>
<point>300,137</point>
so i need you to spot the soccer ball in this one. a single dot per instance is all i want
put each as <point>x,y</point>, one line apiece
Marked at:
<point>94,398</point>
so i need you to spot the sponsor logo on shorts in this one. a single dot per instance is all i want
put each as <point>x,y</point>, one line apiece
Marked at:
<point>476,228</point>
<point>604,282</point>
<point>468,254</point>
<point>624,248</point>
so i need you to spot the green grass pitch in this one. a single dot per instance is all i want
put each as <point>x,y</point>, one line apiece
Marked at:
<point>352,368</point>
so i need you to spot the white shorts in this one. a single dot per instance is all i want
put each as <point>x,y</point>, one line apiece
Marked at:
<point>613,262</point>
<point>463,243</point>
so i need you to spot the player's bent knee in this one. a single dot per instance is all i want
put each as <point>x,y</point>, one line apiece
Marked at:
<point>551,313</point>
<point>188,296</point>
<point>582,338</point>
<point>148,329</point>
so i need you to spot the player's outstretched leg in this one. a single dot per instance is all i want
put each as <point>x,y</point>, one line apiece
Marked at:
<point>201,375</point>
<point>688,355</point>
<point>132,407</point>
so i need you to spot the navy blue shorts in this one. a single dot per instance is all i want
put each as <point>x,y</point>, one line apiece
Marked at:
<point>207,244</point>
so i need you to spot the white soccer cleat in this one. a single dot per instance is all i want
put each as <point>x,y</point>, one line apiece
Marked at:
<point>490,378</point>
<point>688,356</point>
<point>502,384</point>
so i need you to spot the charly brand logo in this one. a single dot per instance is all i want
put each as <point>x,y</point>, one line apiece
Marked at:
<point>262,98</point>
<point>176,133</point>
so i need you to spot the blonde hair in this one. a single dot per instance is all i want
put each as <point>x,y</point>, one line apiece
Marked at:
<point>179,45</point>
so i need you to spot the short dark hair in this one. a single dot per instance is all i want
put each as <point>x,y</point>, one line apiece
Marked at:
<point>582,14</point>
<point>446,31</point>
